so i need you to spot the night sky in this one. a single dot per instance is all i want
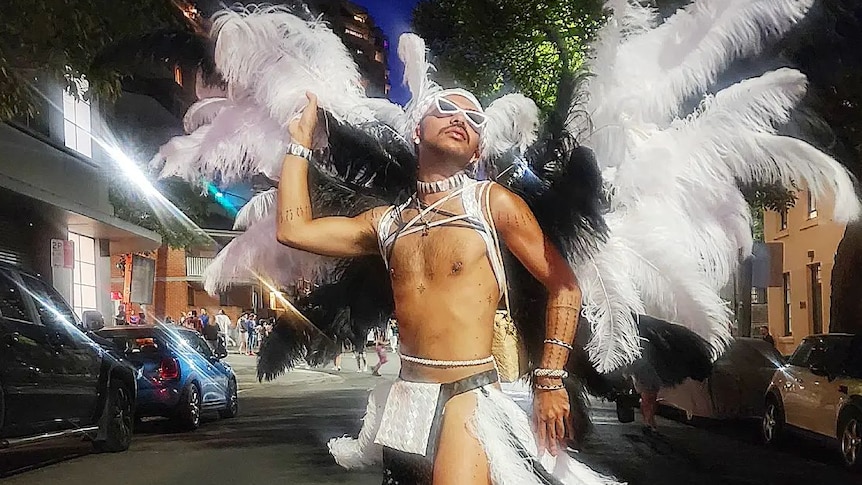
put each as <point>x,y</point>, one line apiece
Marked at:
<point>393,17</point>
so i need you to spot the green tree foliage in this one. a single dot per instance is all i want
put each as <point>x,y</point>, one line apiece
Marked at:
<point>496,46</point>
<point>60,39</point>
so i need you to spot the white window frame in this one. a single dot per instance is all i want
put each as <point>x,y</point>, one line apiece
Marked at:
<point>83,264</point>
<point>77,122</point>
<point>812,205</point>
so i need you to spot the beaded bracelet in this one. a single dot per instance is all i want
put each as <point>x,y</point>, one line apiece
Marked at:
<point>556,373</point>
<point>555,387</point>
<point>559,342</point>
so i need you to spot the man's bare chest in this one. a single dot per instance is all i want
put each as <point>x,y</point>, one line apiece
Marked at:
<point>442,251</point>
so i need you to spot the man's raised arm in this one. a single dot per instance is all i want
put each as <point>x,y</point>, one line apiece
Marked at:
<point>342,237</point>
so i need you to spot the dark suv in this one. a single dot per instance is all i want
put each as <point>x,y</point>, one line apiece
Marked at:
<point>54,379</point>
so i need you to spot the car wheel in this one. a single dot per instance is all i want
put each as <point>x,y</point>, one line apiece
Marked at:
<point>850,438</point>
<point>232,408</point>
<point>772,422</point>
<point>120,416</point>
<point>188,415</point>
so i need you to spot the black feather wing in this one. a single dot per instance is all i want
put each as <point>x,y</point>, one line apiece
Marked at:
<point>363,166</point>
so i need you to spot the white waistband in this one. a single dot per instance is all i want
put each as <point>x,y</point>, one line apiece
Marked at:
<point>447,363</point>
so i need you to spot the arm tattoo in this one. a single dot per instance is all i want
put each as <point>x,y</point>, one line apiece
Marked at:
<point>294,213</point>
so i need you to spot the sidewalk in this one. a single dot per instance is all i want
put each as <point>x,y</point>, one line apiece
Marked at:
<point>245,368</point>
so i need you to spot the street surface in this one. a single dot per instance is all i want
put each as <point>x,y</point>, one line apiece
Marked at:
<point>281,433</point>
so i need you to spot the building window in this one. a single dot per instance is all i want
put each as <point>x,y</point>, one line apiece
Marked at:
<point>786,288</point>
<point>359,18</point>
<point>816,298</point>
<point>224,299</point>
<point>782,221</point>
<point>354,33</point>
<point>758,296</point>
<point>190,296</point>
<point>76,123</point>
<point>812,206</point>
<point>178,75</point>
<point>378,56</point>
<point>84,274</point>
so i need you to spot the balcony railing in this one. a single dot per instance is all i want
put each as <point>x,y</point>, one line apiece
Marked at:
<point>195,266</point>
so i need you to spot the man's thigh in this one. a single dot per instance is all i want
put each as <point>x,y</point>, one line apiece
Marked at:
<point>460,458</point>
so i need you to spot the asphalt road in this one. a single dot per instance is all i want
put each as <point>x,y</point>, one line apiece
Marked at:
<point>281,433</point>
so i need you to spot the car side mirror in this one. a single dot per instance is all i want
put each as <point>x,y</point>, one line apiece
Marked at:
<point>93,320</point>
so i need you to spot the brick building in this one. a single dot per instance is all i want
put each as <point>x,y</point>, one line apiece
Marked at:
<point>365,41</point>
<point>179,285</point>
<point>799,300</point>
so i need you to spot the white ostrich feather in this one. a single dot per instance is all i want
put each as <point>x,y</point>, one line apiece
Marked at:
<point>674,62</point>
<point>610,303</point>
<point>178,157</point>
<point>682,57</point>
<point>202,113</point>
<point>513,121</point>
<point>413,54</point>
<point>277,57</point>
<point>258,208</point>
<point>257,254</point>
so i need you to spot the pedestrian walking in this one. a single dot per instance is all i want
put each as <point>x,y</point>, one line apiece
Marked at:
<point>224,325</point>
<point>243,333</point>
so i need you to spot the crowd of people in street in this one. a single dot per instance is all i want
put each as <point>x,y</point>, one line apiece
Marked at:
<point>245,335</point>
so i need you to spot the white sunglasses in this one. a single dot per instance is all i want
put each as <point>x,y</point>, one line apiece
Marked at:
<point>477,119</point>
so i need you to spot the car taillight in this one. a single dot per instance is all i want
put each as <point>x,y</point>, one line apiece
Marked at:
<point>169,369</point>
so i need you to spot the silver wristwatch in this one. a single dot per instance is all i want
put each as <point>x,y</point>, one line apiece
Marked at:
<point>298,150</point>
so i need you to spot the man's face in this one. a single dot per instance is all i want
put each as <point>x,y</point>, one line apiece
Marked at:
<point>450,134</point>
<point>764,331</point>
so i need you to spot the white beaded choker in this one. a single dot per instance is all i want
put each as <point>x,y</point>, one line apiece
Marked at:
<point>450,183</point>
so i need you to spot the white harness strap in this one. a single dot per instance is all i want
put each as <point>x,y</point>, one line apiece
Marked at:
<point>475,198</point>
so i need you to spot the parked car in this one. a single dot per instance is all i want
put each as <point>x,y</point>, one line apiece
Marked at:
<point>819,392</point>
<point>734,388</point>
<point>55,380</point>
<point>178,375</point>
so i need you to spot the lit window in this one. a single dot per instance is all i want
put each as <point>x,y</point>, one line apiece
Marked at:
<point>782,220</point>
<point>812,206</point>
<point>354,33</point>
<point>76,123</point>
<point>84,274</point>
<point>378,56</point>
<point>178,75</point>
<point>359,18</point>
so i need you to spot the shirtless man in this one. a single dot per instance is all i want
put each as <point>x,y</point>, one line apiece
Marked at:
<point>445,289</point>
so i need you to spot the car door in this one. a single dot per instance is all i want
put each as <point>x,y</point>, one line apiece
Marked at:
<point>78,359</point>
<point>795,384</point>
<point>213,381</point>
<point>841,374</point>
<point>30,392</point>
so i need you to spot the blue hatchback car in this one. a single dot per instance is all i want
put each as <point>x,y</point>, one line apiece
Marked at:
<point>178,375</point>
